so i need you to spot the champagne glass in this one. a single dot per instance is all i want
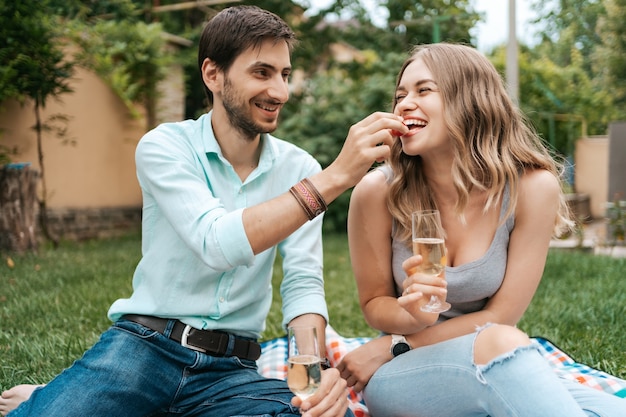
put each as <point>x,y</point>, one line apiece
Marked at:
<point>429,241</point>
<point>304,371</point>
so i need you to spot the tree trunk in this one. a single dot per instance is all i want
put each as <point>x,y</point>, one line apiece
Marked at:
<point>43,207</point>
<point>18,198</point>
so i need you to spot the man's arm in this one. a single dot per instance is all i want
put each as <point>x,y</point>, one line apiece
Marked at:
<point>368,141</point>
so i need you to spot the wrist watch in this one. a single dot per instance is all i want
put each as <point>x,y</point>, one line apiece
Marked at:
<point>399,345</point>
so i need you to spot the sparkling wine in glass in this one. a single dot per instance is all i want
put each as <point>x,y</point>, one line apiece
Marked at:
<point>304,371</point>
<point>429,241</point>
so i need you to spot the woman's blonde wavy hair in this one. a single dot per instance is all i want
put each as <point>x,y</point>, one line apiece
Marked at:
<point>492,141</point>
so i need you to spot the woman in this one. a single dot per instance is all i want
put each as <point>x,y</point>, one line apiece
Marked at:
<point>470,155</point>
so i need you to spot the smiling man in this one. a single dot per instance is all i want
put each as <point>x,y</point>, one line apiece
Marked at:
<point>221,196</point>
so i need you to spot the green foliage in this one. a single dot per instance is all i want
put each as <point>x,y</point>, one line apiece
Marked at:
<point>89,10</point>
<point>585,39</point>
<point>563,103</point>
<point>610,58</point>
<point>32,60</point>
<point>429,21</point>
<point>129,56</point>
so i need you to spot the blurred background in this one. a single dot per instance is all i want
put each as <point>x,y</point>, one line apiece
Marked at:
<point>82,80</point>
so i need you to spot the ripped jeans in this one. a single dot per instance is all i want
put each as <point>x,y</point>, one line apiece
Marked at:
<point>442,380</point>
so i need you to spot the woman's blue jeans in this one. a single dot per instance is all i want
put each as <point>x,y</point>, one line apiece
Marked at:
<point>442,380</point>
<point>136,372</point>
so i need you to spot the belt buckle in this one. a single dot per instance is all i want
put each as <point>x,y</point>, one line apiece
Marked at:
<point>183,340</point>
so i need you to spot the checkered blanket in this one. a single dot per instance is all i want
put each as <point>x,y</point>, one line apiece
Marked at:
<point>273,364</point>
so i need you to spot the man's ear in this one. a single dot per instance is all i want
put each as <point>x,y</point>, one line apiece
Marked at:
<point>211,75</point>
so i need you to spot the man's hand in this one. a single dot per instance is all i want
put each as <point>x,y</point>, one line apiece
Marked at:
<point>330,399</point>
<point>368,141</point>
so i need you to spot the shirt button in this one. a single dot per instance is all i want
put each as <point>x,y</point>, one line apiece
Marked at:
<point>221,299</point>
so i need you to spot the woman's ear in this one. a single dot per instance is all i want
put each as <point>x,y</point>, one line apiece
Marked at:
<point>211,75</point>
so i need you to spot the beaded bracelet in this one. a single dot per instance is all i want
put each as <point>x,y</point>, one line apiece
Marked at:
<point>309,198</point>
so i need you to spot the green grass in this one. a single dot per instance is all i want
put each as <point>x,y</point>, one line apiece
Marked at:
<point>53,305</point>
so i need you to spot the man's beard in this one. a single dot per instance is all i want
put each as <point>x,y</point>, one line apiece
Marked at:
<point>238,113</point>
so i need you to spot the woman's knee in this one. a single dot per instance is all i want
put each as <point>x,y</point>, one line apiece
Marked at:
<point>497,340</point>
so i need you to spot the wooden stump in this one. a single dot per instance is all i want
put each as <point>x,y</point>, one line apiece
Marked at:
<point>18,202</point>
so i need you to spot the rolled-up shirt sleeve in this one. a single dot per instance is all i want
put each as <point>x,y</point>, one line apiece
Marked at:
<point>302,288</point>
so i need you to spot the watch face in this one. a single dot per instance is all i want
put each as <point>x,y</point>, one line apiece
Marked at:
<point>400,348</point>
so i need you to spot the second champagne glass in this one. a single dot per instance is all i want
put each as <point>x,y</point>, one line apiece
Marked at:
<point>429,241</point>
<point>304,371</point>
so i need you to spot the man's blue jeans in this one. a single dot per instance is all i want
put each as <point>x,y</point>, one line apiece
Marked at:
<point>134,371</point>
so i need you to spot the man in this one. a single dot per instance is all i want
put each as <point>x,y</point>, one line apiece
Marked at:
<point>220,197</point>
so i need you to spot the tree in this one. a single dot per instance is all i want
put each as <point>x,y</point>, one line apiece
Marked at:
<point>562,102</point>
<point>33,67</point>
<point>429,21</point>
<point>570,23</point>
<point>588,36</point>
<point>610,58</point>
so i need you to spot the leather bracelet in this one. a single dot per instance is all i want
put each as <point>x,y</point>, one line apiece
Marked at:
<point>302,202</point>
<point>318,197</point>
<point>309,198</point>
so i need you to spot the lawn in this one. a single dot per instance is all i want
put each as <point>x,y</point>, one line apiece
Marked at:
<point>53,305</point>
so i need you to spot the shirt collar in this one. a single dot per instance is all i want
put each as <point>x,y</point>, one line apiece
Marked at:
<point>269,150</point>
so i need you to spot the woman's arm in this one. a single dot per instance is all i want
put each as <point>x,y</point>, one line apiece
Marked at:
<point>528,247</point>
<point>369,238</point>
<point>529,242</point>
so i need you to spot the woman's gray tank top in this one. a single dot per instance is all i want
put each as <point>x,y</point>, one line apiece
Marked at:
<point>472,284</point>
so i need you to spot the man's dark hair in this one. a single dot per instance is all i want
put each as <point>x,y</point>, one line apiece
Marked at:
<point>235,29</point>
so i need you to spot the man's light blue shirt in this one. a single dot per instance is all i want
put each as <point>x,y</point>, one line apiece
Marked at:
<point>197,264</point>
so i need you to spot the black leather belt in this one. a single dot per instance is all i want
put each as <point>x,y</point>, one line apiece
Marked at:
<point>211,342</point>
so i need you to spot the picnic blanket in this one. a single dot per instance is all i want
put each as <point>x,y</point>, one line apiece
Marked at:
<point>273,364</point>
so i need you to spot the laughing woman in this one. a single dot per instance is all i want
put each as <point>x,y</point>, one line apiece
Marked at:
<point>469,154</point>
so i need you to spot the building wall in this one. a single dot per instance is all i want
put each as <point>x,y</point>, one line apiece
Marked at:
<point>591,159</point>
<point>99,170</point>
<point>92,185</point>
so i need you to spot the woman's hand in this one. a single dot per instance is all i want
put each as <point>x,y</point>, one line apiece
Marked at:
<point>418,288</point>
<point>358,366</point>
<point>330,399</point>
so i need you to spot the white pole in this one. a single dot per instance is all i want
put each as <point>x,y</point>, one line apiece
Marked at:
<point>512,66</point>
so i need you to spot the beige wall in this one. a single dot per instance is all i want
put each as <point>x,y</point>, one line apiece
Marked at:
<point>591,160</point>
<point>99,171</point>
